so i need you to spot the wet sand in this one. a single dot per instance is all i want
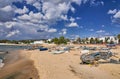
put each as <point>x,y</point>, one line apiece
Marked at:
<point>35,64</point>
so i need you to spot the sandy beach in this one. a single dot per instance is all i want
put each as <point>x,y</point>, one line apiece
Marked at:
<point>35,64</point>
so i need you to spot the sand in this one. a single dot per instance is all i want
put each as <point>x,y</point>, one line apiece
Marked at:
<point>35,64</point>
<point>18,65</point>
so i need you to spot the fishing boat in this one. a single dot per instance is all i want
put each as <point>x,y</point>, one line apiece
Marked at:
<point>43,49</point>
<point>57,52</point>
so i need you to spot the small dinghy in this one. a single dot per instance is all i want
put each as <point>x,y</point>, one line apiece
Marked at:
<point>43,49</point>
<point>57,52</point>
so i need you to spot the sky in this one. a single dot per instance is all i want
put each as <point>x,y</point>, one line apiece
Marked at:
<point>44,19</point>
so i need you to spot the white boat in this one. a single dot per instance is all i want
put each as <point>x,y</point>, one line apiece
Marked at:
<point>57,52</point>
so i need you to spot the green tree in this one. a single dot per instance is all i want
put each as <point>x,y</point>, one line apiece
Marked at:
<point>4,41</point>
<point>60,40</point>
<point>14,41</point>
<point>55,40</point>
<point>26,41</point>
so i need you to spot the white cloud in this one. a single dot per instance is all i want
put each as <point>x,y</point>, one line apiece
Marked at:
<point>27,23</point>
<point>100,31</point>
<point>13,33</point>
<point>37,5</point>
<point>7,8</point>
<point>77,1</point>
<point>112,11</point>
<point>74,36</point>
<point>63,31</point>
<point>24,17</point>
<point>32,17</point>
<point>1,24</point>
<point>73,24</point>
<point>103,26</point>
<point>102,3</point>
<point>78,17</point>
<point>9,24</point>
<point>52,30</point>
<point>96,3</point>
<point>4,3</point>
<point>30,1</point>
<point>91,30</point>
<point>64,17</point>
<point>81,27</point>
<point>72,19</point>
<point>53,11</point>
<point>72,9</point>
<point>84,1</point>
<point>117,15</point>
<point>107,33</point>
<point>22,11</point>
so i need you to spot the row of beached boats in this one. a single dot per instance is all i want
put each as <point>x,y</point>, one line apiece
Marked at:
<point>87,54</point>
<point>91,55</point>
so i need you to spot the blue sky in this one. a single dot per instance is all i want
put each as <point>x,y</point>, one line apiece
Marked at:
<point>43,19</point>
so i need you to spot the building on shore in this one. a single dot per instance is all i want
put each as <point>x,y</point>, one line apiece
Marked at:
<point>96,40</point>
<point>38,42</point>
<point>109,39</point>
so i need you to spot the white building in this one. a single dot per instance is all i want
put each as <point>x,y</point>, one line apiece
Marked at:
<point>38,42</point>
<point>110,38</point>
<point>49,40</point>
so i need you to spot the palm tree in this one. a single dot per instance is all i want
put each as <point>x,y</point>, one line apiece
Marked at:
<point>106,39</point>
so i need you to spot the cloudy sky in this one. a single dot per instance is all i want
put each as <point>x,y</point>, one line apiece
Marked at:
<point>42,19</point>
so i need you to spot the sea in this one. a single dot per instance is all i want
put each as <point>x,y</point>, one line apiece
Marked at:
<point>13,47</point>
<point>9,48</point>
